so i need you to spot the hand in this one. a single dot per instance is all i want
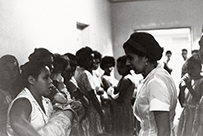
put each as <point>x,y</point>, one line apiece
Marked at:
<point>59,97</point>
<point>187,81</point>
<point>76,105</point>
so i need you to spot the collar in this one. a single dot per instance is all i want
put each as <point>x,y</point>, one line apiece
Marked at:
<point>151,72</point>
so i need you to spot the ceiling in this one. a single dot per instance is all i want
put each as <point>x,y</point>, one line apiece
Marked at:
<point>127,0</point>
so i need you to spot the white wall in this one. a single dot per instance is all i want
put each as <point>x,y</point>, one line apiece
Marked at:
<point>97,14</point>
<point>129,16</point>
<point>28,24</point>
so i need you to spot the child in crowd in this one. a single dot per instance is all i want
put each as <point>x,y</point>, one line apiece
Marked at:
<point>189,100</point>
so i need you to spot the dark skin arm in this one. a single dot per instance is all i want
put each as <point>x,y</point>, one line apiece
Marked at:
<point>106,84</point>
<point>19,118</point>
<point>126,85</point>
<point>181,96</point>
<point>162,122</point>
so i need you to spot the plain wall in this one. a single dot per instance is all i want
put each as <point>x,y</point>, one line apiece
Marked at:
<point>29,24</point>
<point>155,14</point>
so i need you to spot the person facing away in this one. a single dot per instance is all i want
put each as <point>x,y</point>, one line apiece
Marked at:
<point>9,75</point>
<point>156,96</point>
<point>167,66</point>
<point>122,112</point>
<point>193,82</point>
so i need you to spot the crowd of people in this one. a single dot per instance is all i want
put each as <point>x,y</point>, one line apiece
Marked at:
<point>77,94</point>
<point>63,94</point>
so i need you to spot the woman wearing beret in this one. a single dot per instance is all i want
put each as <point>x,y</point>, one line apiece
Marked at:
<point>156,98</point>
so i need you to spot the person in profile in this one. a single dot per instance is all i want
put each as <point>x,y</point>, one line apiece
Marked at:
<point>167,66</point>
<point>184,55</point>
<point>156,99</point>
<point>191,99</point>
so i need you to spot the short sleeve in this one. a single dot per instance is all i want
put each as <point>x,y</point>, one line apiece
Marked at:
<point>159,98</point>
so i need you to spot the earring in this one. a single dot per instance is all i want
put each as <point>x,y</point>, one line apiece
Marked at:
<point>146,64</point>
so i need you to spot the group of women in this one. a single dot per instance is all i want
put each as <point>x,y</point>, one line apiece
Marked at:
<point>62,95</point>
<point>55,94</point>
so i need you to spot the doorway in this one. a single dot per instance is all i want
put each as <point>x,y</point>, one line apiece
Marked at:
<point>174,39</point>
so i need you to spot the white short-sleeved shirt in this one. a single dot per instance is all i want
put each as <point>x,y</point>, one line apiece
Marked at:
<point>157,92</point>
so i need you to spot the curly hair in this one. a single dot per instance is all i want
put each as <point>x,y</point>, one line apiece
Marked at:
<point>30,68</point>
<point>106,61</point>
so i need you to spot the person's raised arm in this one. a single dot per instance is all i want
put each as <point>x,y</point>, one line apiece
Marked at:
<point>194,94</point>
<point>19,118</point>
<point>162,122</point>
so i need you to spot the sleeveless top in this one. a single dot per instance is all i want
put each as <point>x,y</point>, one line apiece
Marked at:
<point>37,117</point>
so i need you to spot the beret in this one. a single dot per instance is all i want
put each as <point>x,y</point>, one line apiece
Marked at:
<point>145,43</point>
